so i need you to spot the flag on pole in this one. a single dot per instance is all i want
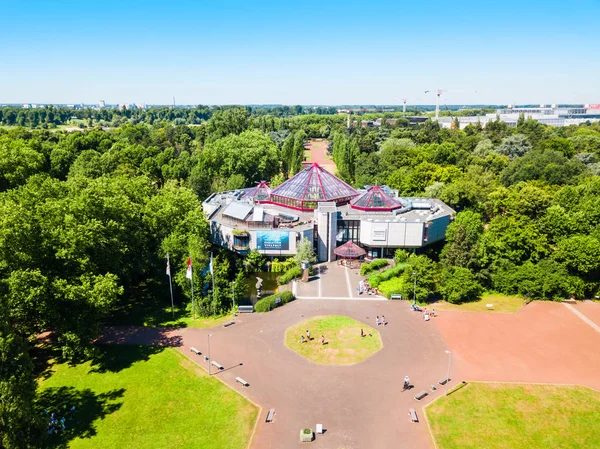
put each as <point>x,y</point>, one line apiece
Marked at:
<point>168,266</point>
<point>188,273</point>
<point>210,265</point>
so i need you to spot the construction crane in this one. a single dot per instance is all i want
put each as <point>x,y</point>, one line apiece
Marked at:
<point>439,93</point>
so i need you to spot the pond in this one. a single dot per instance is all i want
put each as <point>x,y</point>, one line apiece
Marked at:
<point>269,287</point>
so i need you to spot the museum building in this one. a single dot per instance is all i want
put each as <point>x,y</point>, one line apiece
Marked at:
<point>316,205</point>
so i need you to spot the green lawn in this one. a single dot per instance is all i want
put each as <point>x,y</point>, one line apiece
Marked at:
<point>502,303</point>
<point>507,416</point>
<point>344,345</point>
<point>141,397</point>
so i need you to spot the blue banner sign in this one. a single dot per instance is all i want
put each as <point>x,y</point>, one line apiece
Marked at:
<point>273,240</point>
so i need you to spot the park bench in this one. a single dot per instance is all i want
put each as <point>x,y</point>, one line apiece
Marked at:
<point>217,365</point>
<point>228,323</point>
<point>395,296</point>
<point>489,306</point>
<point>195,351</point>
<point>245,309</point>
<point>413,415</point>
<point>270,415</point>
<point>444,381</point>
<point>421,395</point>
<point>242,381</point>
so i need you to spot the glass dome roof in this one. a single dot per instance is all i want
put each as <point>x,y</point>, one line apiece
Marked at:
<point>312,185</point>
<point>375,199</point>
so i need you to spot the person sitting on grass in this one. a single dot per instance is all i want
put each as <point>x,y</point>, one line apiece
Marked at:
<point>322,339</point>
<point>302,339</point>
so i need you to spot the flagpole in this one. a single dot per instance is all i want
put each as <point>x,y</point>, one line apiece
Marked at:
<point>170,286</point>
<point>193,304</point>
<point>212,275</point>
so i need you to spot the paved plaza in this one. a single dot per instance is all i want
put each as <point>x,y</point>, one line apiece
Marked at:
<point>363,406</point>
<point>332,281</point>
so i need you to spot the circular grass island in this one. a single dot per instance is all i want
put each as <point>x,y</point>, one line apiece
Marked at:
<point>343,342</point>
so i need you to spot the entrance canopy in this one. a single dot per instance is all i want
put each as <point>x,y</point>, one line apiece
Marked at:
<point>349,250</point>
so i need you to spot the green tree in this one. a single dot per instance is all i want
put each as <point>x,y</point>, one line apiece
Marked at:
<point>20,425</point>
<point>580,253</point>
<point>462,240</point>
<point>305,251</point>
<point>514,146</point>
<point>459,285</point>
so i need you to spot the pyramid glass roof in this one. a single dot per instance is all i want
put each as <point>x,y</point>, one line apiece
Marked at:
<point>262,192</point>
<point>312,185</point>
<point>375,199</point>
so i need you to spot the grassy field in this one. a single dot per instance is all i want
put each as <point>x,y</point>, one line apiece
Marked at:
<point>344,345</point>
<point>507,416</point>
<point>506,304</point>
<point>141,397</point>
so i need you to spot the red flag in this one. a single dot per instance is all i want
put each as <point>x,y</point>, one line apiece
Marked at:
<point>188,273</point>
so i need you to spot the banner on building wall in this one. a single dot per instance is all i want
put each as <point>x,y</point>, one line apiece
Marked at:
<point>273,241</point>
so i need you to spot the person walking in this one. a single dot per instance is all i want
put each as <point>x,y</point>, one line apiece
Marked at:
<point>322,339</point>
<point>377,320</point>
<point>406,383</point>
<point>307,334</point>
<point>383,320</point>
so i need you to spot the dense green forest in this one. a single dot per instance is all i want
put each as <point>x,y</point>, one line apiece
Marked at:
<point>88,217</point>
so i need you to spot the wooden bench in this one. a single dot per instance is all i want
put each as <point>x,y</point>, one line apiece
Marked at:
<point>444,381</point>
<point>242,381</point>
<point>228,323</point>
<point>413,415</point>
<point>245,309</point>
<point>489,306</point>
<point>395,296</point>
<point>421,395</point>
<point>195,351</point>
<point>217,365</point>
<point>270,415</point>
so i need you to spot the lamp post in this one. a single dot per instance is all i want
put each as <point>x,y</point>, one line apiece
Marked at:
<point>448,375</point>
<point>233,295</point>
<point>415,288</point>
<point>208,354</point>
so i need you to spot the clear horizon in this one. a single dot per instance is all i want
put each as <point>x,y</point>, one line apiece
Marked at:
<point>309,53</point>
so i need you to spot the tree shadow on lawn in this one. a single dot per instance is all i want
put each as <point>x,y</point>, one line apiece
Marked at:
<point>115,358</point>
<point>89,407</point>
<point>44,353</point>
<point>144,308</point>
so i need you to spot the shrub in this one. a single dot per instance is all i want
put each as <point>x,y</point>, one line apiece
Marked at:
<point>392,286</point>
<point>268,302</point>
<point>290,274</point>
<point>367,268</point>
<point>376,279</point>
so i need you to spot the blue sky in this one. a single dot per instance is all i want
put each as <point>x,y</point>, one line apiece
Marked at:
<point>306,52</point>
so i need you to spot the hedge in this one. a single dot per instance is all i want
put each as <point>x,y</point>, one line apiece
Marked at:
<point>268,302</point>
<point>367,268</point>
<point>378,278</point>
<point>290,274</point>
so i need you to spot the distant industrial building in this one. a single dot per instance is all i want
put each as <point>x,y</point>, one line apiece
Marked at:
<point>316,205</point>
<point>553,115</point>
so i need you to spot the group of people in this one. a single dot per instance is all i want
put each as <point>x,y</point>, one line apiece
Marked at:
<point>304,340</point>
<point>380,321</point>
<point>57,422</point>
<point>364,287</point>
<point>426,315</point>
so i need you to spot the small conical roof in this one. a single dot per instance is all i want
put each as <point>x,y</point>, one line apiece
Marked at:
<point>349,250</point>
<point>262,192</point>
<point>310,186</point>
<point>375,199</point>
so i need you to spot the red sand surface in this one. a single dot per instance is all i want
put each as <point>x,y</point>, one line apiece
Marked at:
<point>543,342</point>
<point>590,309</point>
